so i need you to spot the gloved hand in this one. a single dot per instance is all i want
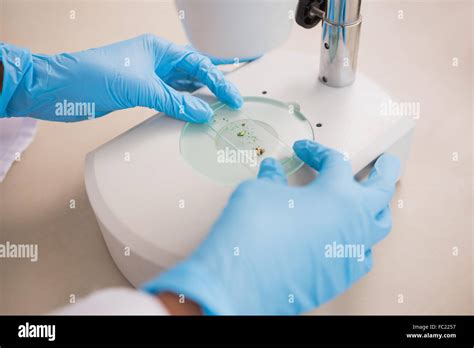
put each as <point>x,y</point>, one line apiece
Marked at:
<point>184,82</point>
<point>92,83</point>
<point>276,249</point>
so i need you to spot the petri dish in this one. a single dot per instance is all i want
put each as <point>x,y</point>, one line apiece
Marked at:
<point>232,145</point>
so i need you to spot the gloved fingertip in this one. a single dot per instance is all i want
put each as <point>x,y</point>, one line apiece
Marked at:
<point>322,158</point>
<point>389,166</point>
<point>198,111</point>
<point>203,116</point>
<point>271,169</point>
<point>299,144</point>
<point>305,143</point>
<point>269,162</point>
<point>301,147</point>
<point>389,160</point>
<point>236,102</point>
<point>231,96</point>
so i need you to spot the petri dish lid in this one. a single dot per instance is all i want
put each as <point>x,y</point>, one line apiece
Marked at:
<point>232,145</point>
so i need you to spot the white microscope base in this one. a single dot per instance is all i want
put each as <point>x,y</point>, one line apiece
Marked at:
<point>153,208</point>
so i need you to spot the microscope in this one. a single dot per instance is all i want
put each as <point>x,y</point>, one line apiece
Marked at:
<point>139,205</point>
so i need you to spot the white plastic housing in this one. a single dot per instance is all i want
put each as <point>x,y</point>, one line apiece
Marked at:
<point>232,29</point>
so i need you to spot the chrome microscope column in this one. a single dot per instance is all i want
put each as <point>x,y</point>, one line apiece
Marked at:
<point>341,24</point>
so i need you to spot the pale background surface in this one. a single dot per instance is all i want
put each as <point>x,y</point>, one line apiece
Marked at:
<point>411,57</point>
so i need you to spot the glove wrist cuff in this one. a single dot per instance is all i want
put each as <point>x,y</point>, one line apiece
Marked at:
<point>196,283</point>
<point>16,62</point>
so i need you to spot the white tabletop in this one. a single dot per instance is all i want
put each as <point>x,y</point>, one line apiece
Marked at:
<point>412,57</point>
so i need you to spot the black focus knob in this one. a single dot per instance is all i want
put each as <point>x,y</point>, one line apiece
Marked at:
<point>310,12</point>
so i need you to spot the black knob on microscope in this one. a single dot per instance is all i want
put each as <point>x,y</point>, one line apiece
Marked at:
<point>310,12</point>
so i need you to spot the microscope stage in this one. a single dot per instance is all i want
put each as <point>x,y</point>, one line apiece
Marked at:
<point>230,148</point>
<point>155,197</point>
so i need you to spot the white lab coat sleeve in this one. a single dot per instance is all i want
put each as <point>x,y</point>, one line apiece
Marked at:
<point>15,136</point>
<point>115,301</point>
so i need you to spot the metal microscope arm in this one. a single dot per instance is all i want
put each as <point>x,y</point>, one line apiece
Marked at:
<point>341,21</point>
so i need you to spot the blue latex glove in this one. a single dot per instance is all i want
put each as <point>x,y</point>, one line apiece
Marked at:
<point>270,250</point>
<point>183,82</point>
<point>95,82</point>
